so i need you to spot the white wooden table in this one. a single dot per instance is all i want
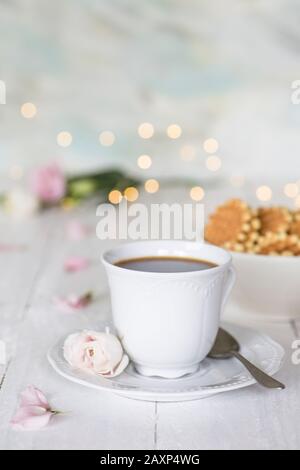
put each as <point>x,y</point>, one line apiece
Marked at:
<point>252,418</point>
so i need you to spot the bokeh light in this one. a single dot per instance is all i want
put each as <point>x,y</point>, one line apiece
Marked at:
<point>211,145</point>
<point>174,131</point>
<point>144,162</point>
<point>28,110</point>
<point>146,130</point>
<point>152,186</point>
<point>64,139</point>
<point>115,197</point>
<point>197,193</point>
<point>291,190</point>
<point>131,194</point>
<point>107,138</point>
<point>264,193</point>
<point>214,163</point>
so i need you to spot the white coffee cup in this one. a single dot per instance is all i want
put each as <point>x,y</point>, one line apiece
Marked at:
<point>168,322</point>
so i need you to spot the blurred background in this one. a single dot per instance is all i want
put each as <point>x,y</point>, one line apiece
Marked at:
<point>211,79</point>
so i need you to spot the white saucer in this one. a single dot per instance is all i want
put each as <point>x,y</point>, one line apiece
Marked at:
<point>213,376</point>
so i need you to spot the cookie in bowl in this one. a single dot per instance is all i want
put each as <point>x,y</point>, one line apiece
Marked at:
<point>273,231</point>
<point>265,246</point>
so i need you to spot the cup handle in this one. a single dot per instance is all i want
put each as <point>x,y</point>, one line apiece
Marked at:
<point>230,281</point>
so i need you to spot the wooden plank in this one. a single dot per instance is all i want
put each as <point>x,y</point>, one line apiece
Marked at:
<point>19,268</point>
<point>252,418</point>
<point>94,420</point>
<point>248,419</point>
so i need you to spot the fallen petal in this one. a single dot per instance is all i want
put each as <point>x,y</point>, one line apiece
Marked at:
<point>73,302</point>
<point>32,396</point>
<point>31,418</point>
<point>76,263</point>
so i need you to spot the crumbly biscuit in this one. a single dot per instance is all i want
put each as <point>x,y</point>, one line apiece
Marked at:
<point>281,244</point>
<point>271,231</point>
<point>230,224</point>
<point>295,227</point>
<point>274,220</point>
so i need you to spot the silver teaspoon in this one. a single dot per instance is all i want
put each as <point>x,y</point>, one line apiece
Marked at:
<point>227,347</point>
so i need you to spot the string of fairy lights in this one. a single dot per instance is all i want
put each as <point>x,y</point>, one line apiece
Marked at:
<point>187,152</point>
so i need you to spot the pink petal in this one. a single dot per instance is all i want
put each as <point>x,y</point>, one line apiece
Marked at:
<point>76,263</point>
<point>31,418</point>
<point>120,367</point>
<point>76,230</point>
<point>73,302</point>
<point>32,396</point>
<point>63,305</point>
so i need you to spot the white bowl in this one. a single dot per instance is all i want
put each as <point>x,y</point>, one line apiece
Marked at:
<point>267,286</point>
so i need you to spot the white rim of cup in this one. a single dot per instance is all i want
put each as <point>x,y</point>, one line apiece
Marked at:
<point>120,269</point>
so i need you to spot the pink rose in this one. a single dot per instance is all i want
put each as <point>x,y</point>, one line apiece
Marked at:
<point>48,183</point>
<point>34,411</point>
<point>95,353</point>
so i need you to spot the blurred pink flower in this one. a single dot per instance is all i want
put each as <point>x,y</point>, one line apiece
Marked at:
<point>34,411</point>
<point>48,183</point>
<point>73,302</point>
<point>76,263</point>
<point>76,230</point>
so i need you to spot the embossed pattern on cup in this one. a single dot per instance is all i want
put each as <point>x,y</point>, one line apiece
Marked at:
<point>168,322</point>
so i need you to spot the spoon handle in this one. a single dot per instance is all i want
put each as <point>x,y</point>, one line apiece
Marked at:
<point>261,377</point>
